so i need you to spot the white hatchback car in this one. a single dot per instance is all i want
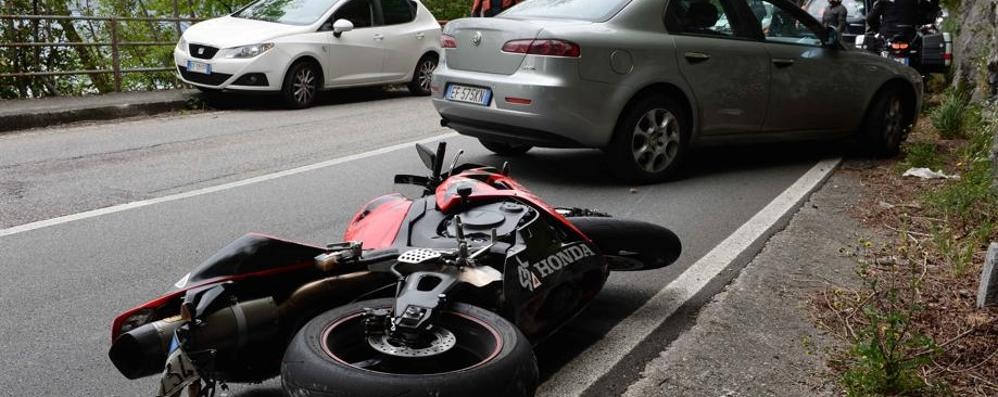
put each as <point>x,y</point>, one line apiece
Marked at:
<point>299,47</point>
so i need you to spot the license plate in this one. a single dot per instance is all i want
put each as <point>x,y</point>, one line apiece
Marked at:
<point>198,67</point>
<point>179,372</point>
<point>901,60</point>
<point>463,93</point>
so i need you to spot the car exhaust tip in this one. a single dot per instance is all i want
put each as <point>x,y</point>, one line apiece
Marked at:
<point>142,351</point>
<point>444,122</point>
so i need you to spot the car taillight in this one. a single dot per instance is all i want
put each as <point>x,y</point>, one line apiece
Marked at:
<point>545,47</point>
<point>448,41</point>
<point>899,46</point>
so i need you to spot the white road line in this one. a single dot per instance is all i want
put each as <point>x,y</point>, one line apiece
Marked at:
<point>217,188</point>
<point>574,378</point>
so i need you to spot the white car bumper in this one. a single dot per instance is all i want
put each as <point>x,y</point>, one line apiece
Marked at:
<point>264,72</point>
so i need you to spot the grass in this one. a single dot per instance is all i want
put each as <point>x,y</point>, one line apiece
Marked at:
<point>949,116</point>
<point>922,154</point>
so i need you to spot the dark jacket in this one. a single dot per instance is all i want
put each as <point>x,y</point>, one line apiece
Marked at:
<point>893,17</point>
<point>835,16</point>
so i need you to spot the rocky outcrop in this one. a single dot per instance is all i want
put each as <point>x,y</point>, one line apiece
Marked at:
<point>976,49</point>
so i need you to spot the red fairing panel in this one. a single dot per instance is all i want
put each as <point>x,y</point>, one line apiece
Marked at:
<point>378,223</point>
<point>496,186</point>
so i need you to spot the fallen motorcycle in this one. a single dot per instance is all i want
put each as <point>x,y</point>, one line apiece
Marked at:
<point>441,295</point>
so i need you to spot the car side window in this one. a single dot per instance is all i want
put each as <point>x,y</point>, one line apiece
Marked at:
<point>398,11</point>
<point>359,12</point>
<point>783,25</point>
<point>716,18</point>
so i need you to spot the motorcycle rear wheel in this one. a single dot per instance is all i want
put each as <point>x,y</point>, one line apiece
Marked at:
<point>631,245</point>
<point>330,356</point>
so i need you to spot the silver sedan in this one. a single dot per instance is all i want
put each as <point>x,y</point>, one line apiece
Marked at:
<point>646,80</point>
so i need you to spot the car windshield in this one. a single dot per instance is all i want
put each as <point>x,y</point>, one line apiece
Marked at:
<point>588,10</point>
<point>854,8</point>
<point>292,12</point>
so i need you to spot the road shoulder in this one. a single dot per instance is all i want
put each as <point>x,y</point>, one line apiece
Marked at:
<point>755,338</point>
<point>21,114</point>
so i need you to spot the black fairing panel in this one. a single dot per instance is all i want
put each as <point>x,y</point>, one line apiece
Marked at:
<point>254,253</point>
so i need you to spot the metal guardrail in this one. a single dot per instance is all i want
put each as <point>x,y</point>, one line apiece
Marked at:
<point>116,70</point>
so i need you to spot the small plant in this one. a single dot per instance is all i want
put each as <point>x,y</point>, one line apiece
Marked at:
<point>922,154</point>
<point>886,351</point>
<point>948,117</point>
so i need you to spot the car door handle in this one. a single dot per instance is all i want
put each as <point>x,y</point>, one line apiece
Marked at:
<point>694,57</point>
<point>782,62</point>
<point>379,37</point>
<point>419,36</point>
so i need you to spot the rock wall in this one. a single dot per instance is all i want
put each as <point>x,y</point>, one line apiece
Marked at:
<point>975,49</point>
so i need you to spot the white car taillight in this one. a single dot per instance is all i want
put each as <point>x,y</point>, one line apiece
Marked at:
<point>448,41</point>
<point>544,47</point>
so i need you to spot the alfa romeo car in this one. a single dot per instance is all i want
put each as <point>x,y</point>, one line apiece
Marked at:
<point>297,48</point>
<point>647,80</point>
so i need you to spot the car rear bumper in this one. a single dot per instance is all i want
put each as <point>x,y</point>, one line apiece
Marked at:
<point>228,74</point>
<point>563,112</point>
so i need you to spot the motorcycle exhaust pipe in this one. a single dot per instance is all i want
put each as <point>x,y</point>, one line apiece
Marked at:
<point>143,351</point>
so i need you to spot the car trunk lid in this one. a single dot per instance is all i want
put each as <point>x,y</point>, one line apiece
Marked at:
<point>480,41</point>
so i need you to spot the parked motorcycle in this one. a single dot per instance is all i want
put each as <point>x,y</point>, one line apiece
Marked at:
<point>440,295</point>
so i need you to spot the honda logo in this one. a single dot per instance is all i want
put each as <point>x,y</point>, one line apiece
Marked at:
<point>476,39</point>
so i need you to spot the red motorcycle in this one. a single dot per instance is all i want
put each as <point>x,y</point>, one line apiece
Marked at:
<point>442,295</point>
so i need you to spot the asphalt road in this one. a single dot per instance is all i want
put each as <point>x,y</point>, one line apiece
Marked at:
<point>62,285</point>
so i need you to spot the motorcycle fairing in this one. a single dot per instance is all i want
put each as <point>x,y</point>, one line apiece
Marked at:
<point>378,223</point>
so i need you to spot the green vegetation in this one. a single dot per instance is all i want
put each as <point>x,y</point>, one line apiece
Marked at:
<point>888,351</point>
<point>949,116</point>
<point>922,154</point>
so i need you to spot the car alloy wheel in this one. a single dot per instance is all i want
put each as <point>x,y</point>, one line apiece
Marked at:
<point>655,141</point>
<point>426,73</point>
<point>304,86</point>
<point>893,122</point>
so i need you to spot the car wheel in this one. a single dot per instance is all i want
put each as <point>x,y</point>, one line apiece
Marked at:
<point>886,125</point>
<point>301,85</point>
<point>331,356</point>
<point>651,141</point>
<point>423,75</point>
<point>505,149</point>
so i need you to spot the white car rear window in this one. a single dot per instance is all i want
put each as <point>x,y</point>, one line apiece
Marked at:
<point>588,10</point>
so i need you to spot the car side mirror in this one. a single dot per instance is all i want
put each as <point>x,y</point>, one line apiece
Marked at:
<point>340,26</point>
<point>831,38</point>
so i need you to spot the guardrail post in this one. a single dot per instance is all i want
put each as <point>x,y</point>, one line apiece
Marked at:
<point>176,15</point>
<point>115,58</point>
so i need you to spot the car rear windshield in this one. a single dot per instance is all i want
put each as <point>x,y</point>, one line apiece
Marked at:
<point>587,10</point>
<point>292,12</point>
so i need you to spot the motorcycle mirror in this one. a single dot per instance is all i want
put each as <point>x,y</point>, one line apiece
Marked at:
<point>427,155</point>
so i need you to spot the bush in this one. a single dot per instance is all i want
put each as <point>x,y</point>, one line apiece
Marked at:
<point>449,9</point>
<point>948,117</point>
<point>922,154</point>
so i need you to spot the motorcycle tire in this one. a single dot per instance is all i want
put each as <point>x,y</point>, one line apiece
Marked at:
<point>330,356</point>
<point>631,245</point>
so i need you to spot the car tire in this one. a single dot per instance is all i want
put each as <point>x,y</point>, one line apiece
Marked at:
<point>885,125</point>
<point>422,76</point>
<point>651,140</point>
<point>505,149</point>
<point>301,85</point>
<point>500,360</point>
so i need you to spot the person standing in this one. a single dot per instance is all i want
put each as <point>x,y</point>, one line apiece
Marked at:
<point>489,8</point>
<point>835,16</point>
